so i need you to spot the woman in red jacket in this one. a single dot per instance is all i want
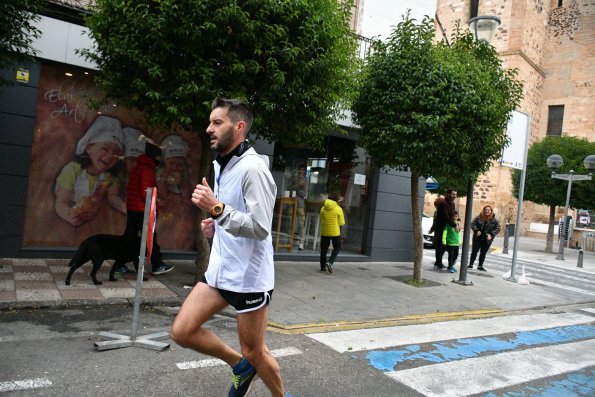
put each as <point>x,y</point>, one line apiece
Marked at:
<point>141,177</point>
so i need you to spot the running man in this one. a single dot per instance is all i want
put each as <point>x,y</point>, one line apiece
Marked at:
<point>241,270</point>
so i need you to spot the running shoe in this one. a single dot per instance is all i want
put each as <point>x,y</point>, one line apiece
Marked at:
<point>125,270</point>
<point>242,382</point>
<point>163,268</point>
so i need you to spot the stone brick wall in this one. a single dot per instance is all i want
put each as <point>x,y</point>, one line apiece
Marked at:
<point>569,64</point>
<point>553,49</point>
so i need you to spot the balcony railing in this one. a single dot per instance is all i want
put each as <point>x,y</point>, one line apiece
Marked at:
<point>365,46</point>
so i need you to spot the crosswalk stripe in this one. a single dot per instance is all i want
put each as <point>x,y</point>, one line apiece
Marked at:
<point>460,349</point>
<point>546,267</point>
<point>582,382</point>
<point>211,362</point>
<point>588,310</point>
<point>564,287</point>
<point>482,374</point>
<point>24,384</point>
<point>380,338</point>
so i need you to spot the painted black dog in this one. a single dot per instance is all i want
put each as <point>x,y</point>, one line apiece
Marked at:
<point>101,247</point>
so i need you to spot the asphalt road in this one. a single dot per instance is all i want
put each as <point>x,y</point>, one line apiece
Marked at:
<point>51,353</point>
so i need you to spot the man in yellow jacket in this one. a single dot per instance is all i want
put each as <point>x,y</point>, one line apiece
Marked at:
<point>331,220</point>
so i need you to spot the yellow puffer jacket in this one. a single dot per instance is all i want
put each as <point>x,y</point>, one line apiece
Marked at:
<point>331,218</point>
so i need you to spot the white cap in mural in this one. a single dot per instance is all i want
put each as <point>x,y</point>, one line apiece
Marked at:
<point>134,142</point>
<point>103,129</point>
<point>174,146</point>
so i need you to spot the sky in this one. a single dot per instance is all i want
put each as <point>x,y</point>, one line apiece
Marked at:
<point>381,15</point>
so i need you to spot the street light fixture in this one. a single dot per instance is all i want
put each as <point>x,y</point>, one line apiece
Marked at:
<point>554,162</point>
<point>483,28</point>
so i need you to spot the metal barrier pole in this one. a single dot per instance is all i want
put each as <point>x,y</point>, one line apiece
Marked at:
<point>579,263</point>
<point>506,236</point>
<point>586,236</point>
<point>147,341</point>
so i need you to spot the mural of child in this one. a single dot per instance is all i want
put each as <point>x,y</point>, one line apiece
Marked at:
<point>172,177</point>
<point>83,183</point>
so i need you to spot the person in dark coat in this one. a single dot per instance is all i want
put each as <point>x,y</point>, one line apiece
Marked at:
<point>485,227</point>
<point>141,177</point>
<point>444,212</point>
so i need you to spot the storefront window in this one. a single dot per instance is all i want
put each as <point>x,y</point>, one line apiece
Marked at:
<point>305,178</point>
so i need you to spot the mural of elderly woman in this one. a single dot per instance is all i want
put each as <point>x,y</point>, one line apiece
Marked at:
<point>172,177</point>
<point>174,190</point>
<point>83,183</point>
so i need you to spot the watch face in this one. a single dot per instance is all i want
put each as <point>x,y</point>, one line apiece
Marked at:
<point>217,209</point>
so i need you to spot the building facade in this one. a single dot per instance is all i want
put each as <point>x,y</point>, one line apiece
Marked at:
<point>552,44</point>
<point>47,125</point>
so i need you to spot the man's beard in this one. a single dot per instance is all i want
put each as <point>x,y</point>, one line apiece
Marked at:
<point>225,141</point>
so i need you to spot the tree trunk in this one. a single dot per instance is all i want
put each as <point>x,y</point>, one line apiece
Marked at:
<point>417,232</point>
<point>549,242</point>
<point>203,248</point>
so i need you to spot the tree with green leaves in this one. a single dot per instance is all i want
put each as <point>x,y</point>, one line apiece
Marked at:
<point>434,109</point>
<point>292,60</point>
<point>17,32</point>
<point>541,188</point>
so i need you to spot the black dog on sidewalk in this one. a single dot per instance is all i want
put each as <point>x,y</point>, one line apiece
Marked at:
<point>101,247</point>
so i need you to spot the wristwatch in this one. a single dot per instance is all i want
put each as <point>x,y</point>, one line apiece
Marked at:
<point>217,210</point>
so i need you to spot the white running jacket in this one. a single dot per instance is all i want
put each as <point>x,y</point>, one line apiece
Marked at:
<point>241,257</point>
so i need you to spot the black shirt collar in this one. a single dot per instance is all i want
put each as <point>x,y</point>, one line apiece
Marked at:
<point>237,151</point>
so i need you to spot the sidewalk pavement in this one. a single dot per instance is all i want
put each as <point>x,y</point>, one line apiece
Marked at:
<point>356,294</point>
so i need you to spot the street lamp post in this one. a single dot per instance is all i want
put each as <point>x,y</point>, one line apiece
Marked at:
<point>554,162</point>
<point>483,28</point>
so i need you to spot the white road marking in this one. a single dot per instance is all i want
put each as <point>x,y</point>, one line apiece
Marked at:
<point>483,374</point>
<point>564,287</point>
<point>588,310</point>
<point>211,362</point>
<point>380,338</point>
<point>24,384</point>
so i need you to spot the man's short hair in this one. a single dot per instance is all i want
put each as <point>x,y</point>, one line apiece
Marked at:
<point>450,190</point>
<point>237,110</point>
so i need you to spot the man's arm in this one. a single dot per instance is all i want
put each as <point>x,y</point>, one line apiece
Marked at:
<point>259,192</point>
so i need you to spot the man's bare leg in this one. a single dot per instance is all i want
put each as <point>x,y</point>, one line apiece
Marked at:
<point>251,329</point>
<point>187,330</point>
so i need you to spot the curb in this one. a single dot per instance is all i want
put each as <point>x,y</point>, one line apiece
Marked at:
<point>412,319</point>
<point>82,303</point>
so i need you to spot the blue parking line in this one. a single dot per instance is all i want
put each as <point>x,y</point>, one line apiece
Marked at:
<point>578,384</point>
<point>390,360</point>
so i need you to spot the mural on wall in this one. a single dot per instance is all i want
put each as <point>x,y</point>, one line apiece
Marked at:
<point>80,162</point>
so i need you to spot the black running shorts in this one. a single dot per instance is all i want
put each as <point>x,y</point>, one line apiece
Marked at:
<point>244,302</point>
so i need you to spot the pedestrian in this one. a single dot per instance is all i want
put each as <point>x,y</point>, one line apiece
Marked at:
<point>443,216</point>
<point>142,177</point>
<point>241,269</point>
<point>451,239</point>
<point>331,221</point>
<point>438,200</point>
<point>300,185</point>
<point>485,227</point>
